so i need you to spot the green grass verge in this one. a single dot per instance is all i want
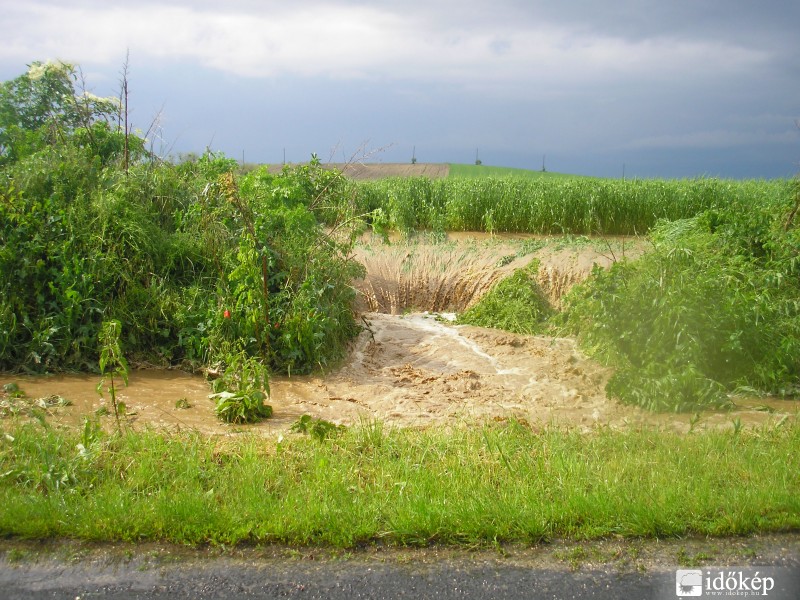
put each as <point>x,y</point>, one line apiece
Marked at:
<point>503,482</point>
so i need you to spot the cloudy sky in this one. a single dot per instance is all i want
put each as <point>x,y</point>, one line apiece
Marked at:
<point>676,88</point>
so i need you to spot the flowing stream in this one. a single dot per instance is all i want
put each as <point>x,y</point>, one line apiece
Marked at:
<point>411,370</point>
<point>411,366</point>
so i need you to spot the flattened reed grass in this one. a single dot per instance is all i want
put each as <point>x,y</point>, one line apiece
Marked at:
<point>470,485</point>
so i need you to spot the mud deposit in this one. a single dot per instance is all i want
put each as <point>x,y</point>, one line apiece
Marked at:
<point>411,367</point>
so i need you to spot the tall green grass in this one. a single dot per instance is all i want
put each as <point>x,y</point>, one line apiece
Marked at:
<point>554,205</point>
<point>503,482</point>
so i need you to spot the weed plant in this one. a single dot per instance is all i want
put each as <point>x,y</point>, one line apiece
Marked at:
<point>112,365</point>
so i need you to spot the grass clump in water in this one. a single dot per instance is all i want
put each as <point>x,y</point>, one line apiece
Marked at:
<point>516,304</point>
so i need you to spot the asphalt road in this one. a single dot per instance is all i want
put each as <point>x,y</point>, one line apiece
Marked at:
<point>600,571</point>
<point>345,582</point>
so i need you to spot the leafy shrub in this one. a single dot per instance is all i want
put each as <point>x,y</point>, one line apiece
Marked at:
<point>197,267</point>
<point>712,307</point>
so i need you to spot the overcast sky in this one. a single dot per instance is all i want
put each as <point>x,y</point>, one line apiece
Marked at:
<point>667,88</point>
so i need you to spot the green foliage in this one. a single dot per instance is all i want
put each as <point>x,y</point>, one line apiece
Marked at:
<point>112,364</point>
<point>164,250</point>
<point>317,428</point>
<point>309,270</point>
<point>42,107</point>
<point>191,265</point>
<point>181,264</point>
<point>557,205</point>
<point>515,304</point>
<point>242,388</point>
<point>712,307</point>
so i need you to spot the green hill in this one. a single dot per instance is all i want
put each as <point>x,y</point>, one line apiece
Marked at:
<point>457,170</point>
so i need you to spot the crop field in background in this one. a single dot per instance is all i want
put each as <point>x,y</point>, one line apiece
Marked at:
<point>480,171</point>
<point>549,204</point>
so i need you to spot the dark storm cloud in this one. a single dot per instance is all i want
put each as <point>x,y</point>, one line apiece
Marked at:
<point>592,84</point>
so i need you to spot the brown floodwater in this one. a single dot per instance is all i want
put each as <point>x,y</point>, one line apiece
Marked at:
<point>411,366</point>
<point>412,370</point>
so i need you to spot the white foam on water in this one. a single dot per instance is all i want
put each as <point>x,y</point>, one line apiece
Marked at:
<point>429,322</point>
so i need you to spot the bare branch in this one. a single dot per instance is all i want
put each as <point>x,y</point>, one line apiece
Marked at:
<point>124,105</point>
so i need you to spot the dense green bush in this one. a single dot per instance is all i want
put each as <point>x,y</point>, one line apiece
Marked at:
<point>715,305</point>
<point>166,250</point>
<point>200,267</point>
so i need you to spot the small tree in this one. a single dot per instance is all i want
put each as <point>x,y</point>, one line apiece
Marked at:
<point>43,107</point>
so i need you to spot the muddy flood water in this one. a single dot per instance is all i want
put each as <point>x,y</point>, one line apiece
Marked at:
<point>411,366</point>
